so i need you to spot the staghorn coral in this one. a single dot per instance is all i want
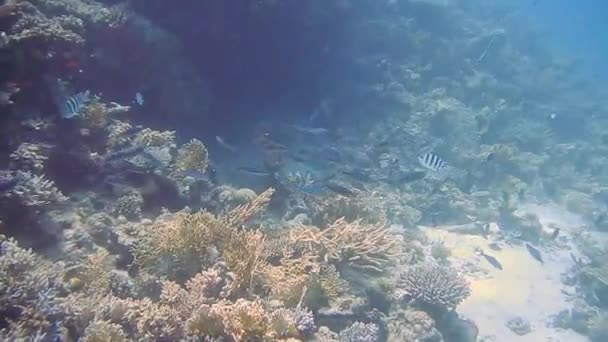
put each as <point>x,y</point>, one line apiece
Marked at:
<point>28,157</point>
<point>103,331</point>
<point>182,243</point>
<point>178,244</point>
<point>246,320</point>
<point>192,156</point>
<point>288,280</point>
<point>434,285</point>
<point>360,332</point>
<point>28,288</point>
<point>243,251</point>
<point>96,273</point>
<point>118,134</point>
<point>185,312</point>
<point>129,205</point>
<point>148,137</point>
<point>328,208</point>
<point>36,191</point>
<point>366,246</point>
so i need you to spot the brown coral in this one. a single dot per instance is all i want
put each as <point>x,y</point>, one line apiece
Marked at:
<point>181,244</point>
<point>192,156</point>
<point>148,137</point>
<point>28,288</point>
<point>369,247</point>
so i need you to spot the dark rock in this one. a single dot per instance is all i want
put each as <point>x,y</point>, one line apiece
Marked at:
<point>519,325</point>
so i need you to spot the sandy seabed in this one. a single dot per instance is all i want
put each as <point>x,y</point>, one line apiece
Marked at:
<point>524,288</point>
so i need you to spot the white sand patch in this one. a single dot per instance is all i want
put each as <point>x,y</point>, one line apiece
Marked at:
<point>524,287</point>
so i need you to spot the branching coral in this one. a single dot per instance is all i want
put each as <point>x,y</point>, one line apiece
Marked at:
<point>91,12</point>
<point>198,310</point>
<point>104,331</point>
<point>288,281</point>
<point>148,137</point>
<point>34,24</point>
<point>182,244</point>
<point>129,205</point>
<point>360,332</point>
<point>410,326</point>
<point>96,113</point>
<point>28,157</point>
<point>440,287</point>
<point>95,273</point>
<point>192,156</point>
<point>36,191</point>
<point>118,134</point>
<point>366,246</point>
<point>327,209</point>
<point>28,287</point>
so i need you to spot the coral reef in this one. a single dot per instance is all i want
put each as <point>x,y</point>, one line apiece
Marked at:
<point>36,191</point>
<point>28,289</point>
<point>192,156</point>
<point>411,325</point>
<point>28,157</point>
<point>179,245</point>
<point>435,286</point>
<point>129,205</point>
<point>363,332</point>
<point>148,239</point>
<point>366,246</point>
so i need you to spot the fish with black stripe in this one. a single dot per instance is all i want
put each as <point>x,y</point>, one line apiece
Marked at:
<point>73,104</point>
<point>432,161</point>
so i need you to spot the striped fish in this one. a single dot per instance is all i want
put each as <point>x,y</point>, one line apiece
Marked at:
<point>72,106</point>
<point>432,161</point>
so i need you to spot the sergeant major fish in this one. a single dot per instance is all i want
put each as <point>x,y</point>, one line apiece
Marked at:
<point>432,161</point>
<point>73,104</point>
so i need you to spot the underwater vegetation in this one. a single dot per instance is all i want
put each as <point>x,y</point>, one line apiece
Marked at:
<point>273,170</point>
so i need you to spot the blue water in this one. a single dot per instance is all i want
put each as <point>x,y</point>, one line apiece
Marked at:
<point>575,28</point>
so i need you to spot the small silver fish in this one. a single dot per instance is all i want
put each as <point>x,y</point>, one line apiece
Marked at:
<point>224,144</point>
<point>535,253</point>
<point>432,161</point>
<point>311,130</point>
<point>255,172</point>
<point>73,104</point>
